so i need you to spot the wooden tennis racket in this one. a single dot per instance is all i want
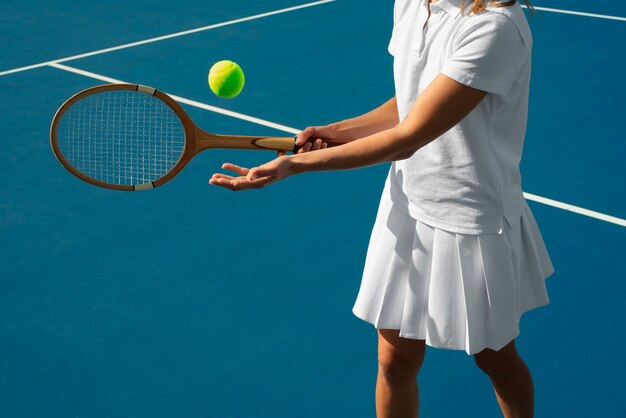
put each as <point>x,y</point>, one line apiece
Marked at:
<point>133,137</point>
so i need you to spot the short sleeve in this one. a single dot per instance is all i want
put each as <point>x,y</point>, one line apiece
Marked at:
<point>392,48</point>
<point>488,55</point>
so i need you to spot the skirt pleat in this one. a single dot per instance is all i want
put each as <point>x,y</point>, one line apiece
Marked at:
<point>455,291</point>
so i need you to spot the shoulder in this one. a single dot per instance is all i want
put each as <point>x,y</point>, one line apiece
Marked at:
<point>404,9</point>
<point>507,23</point>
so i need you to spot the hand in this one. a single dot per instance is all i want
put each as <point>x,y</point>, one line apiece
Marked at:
<point>312,138</point>
<point>254,178</point>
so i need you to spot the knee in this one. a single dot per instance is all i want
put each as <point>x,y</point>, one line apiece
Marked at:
<point>397,367</point>
<point>490,365</point>
<point>498,364</point>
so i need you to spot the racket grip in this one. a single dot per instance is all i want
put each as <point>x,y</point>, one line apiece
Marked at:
<point>296,147</point>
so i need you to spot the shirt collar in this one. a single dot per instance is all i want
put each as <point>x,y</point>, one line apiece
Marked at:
<point>452,7</point>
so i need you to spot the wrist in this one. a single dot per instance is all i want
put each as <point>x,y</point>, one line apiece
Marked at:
<point>296,164</point>
<point>340,131</point>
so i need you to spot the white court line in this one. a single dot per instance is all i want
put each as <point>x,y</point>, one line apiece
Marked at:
<point>570,12</point>
<point>161,38</point>
<point>179,99</point>
<point>576,209</point>
<point>204,28</point>
<point>529,196</point>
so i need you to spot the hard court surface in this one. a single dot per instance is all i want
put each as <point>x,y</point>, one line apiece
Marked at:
<point>192,301</point>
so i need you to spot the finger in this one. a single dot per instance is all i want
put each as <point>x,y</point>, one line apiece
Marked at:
<point>234,184</point>
<point>226,183</point>
<point>281,153</point>
<point>253,174</point>
<point>245,184</point>
<point>324,145</point>
<point>303,136</point>
<point>259,173</point>
<point>317,144</point>
<point>242,171</point>
<point>222,176</point>
<point>305,148</point>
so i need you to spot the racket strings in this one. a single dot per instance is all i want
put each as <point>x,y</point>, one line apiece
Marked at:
<point>121,137</point>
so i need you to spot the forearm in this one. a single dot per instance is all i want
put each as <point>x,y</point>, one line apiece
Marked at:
<point>440,107</point>
<point>385,146</point>
<point>382,118</point>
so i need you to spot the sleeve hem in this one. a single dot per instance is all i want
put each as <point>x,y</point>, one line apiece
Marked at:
<point>471,80</point>
<point>392,48</point>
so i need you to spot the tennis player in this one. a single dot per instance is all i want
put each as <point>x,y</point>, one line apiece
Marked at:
<point>455,256</point>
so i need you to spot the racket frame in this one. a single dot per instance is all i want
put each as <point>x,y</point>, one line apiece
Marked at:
<point>195,139</point>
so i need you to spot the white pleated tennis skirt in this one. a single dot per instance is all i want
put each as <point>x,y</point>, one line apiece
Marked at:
<point>455,291</point>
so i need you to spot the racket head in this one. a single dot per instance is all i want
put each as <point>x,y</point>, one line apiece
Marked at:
<point>122,136</point>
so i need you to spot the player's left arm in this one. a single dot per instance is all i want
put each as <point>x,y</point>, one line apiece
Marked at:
<point>443,104</point>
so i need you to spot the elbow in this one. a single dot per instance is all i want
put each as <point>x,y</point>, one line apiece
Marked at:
<point>403,155</point>
<point>409,141</point>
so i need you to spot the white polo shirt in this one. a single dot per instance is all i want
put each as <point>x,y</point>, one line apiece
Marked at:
<point>468,179</point>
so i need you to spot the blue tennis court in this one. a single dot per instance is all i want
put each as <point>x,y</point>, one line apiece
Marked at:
<point>192,301</point>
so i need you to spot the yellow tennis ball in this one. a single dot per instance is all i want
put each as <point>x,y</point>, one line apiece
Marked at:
<point>226,79</point>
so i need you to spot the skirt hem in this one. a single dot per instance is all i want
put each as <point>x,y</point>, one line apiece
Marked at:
<point>438,345</point>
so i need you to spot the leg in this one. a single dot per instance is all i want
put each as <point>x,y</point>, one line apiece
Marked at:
<point>511,380</point>
<point>399,361</point>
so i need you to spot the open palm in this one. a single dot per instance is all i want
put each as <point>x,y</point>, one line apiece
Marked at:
<point>253,178</point>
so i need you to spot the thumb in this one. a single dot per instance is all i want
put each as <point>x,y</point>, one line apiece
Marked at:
<point>258,172</point>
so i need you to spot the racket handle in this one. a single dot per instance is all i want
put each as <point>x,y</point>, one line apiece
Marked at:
<point>278,143</point>
<point>206,140</point>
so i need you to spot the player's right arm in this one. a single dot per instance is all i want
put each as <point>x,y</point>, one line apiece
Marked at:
<point>382,118</point>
